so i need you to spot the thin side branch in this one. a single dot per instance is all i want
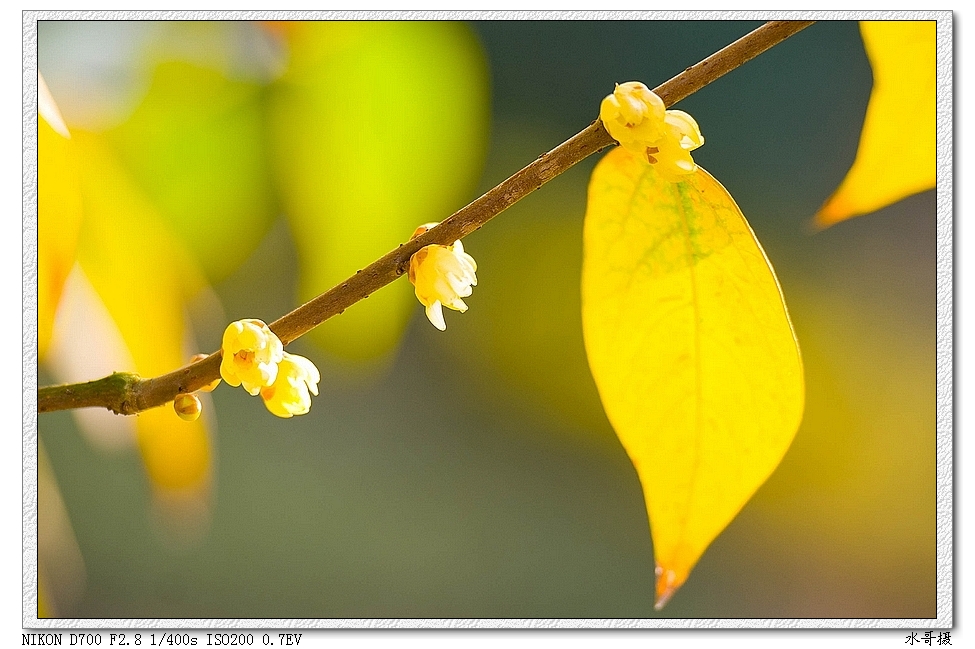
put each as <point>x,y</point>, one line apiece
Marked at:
<point>128,394</point>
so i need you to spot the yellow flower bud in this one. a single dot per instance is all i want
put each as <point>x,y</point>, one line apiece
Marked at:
<point>251,353</point>
<point>289,395</point>
<point>423,228</point>
<point>633,115</point>
<point>442,276</point>
<point>188,407</point>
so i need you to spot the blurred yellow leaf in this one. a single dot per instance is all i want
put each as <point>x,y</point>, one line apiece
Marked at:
<point>896,155</point>
<point>59,211</point>
<point>144,278</point>
<point>195,146</point>
<point>691,348</point>
<point>176,452</point>
<point>378,127</point>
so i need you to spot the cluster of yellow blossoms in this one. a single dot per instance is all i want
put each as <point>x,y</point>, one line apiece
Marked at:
<point>637,118</point>
<point>253,357</point>
<point>442,275</point>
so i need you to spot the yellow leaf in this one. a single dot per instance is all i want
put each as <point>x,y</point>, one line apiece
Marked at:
<point>144,278</point>
<point>896,155</point>
<point>691,347</point>
<point>195,146</point>
<point>58,222</point>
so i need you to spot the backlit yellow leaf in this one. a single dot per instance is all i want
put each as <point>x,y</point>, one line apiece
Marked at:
<point>378,127</point>
<point>58,221</point>
<point>144,278</point>
<point>195,146</point>
<point>691,347</point>
<point>896,155</point>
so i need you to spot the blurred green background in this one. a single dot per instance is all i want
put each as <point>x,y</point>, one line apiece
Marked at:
<point>472,473</point>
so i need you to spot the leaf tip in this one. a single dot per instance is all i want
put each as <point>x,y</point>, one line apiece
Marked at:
<point>834,210</point>
<point>667,585</point>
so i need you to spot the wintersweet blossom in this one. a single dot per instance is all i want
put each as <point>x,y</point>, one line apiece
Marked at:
<point>289,394</point>
<point>633,115</point>
<point>672,157</point>
<point>442,276</point>
<point>251,353</point>
<point>187,406</point>
<point>636,118</point>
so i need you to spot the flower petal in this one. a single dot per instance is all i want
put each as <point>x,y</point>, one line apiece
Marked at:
<point>435,316</point>
<point>686,127</point>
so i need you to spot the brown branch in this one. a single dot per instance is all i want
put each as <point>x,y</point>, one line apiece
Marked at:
<point>128,394</point>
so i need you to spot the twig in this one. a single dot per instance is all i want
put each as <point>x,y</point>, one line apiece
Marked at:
<point>128,394</point>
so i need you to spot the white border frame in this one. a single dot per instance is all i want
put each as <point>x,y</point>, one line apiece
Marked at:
<point>945,339</point>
